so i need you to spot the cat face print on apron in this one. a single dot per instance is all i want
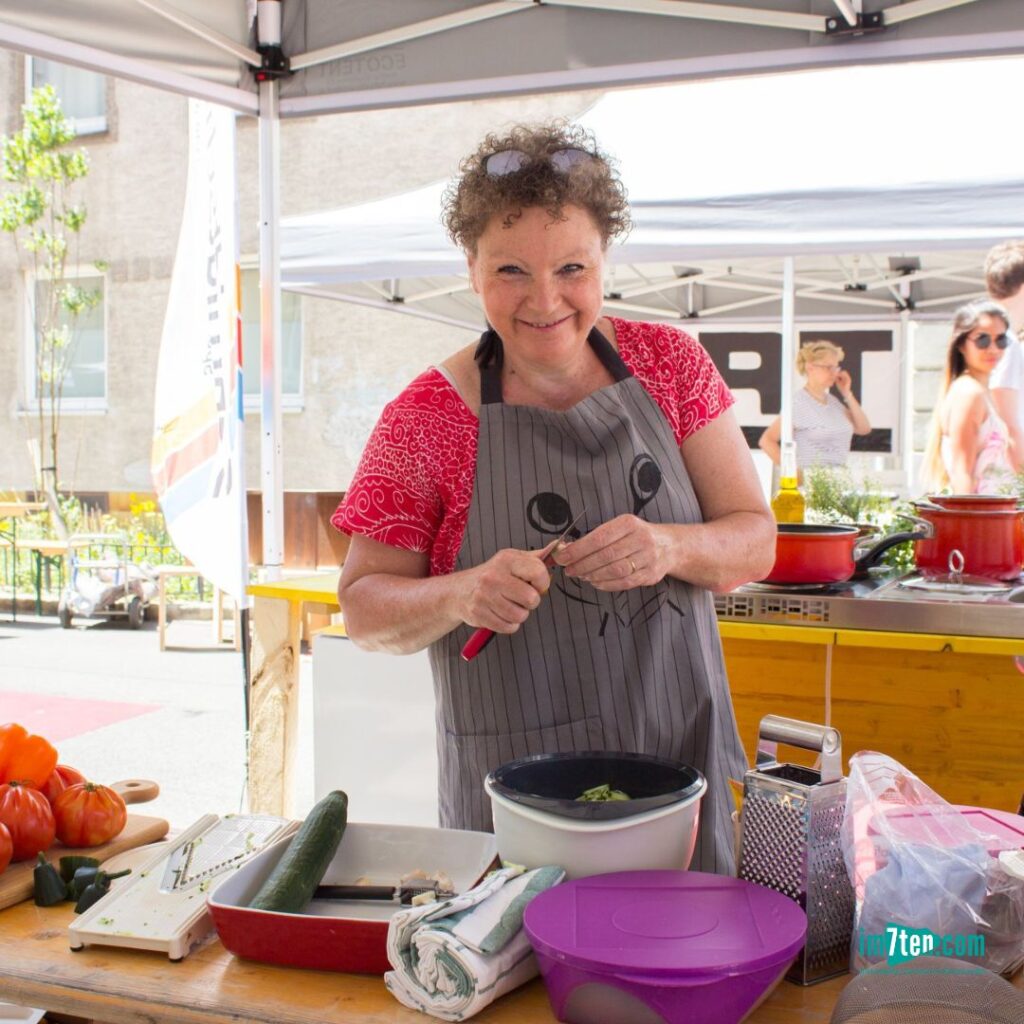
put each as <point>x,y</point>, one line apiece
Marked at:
<point>638,670</point>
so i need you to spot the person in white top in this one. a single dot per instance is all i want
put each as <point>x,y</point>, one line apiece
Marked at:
<point>968,445</point>
<point>823,425</point>
<point>1004,279</point>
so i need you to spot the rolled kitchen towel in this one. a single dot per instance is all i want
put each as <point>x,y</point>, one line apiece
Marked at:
<point>453,958</point>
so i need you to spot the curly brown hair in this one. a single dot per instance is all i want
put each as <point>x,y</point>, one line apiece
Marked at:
<point>476,196</point>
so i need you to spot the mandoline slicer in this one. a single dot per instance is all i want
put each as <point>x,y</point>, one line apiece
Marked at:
<point>161,905</point>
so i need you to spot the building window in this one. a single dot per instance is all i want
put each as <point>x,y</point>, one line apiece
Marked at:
<point>82,94</point>
<point>80,364</point>
<point>291,343</point>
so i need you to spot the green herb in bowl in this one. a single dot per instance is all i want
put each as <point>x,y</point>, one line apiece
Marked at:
<point>602,793</point>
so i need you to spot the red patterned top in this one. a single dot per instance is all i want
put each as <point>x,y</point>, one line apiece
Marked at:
<point>414,482</point>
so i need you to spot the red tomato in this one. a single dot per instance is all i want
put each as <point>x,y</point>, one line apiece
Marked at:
<point>6,848</point>
<point>59,779</point>
<point>27,815</point>
<point>88,814</point>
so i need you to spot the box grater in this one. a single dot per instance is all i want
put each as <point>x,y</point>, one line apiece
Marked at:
<point>790,840</point>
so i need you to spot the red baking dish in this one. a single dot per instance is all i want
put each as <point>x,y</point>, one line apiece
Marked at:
<point>344,935</point>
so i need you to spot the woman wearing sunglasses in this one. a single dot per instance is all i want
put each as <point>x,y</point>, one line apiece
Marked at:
<point>968,447</point>
<point>560,422</point>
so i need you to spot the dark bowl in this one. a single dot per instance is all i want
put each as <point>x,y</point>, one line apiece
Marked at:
<point>552,782</point>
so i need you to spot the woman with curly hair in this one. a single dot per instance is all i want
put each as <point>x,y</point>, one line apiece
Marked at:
<point>559,417</point>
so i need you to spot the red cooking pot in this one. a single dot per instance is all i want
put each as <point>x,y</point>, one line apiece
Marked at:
<point>990,540</point>
<point>976,502</point>
<point>809,553</point>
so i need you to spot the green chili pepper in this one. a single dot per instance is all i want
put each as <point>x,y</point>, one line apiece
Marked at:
<point>97,889</point>
<point>69,865</point>
<point>47,886</point>
<point>83,878</point>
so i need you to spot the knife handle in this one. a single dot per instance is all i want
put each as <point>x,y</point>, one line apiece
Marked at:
<point>476,643</point>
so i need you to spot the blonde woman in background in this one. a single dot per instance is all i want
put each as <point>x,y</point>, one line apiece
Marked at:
<point>968,447</point>
<point>823,425</point>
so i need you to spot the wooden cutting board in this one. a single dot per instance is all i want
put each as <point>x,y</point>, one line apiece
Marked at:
<point>16,881</point>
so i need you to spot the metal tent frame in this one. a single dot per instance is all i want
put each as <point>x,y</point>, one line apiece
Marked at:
<point>311,57</point>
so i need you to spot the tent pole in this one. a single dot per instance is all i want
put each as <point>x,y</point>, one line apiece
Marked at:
<point>788,347</point>
<point>908,358</point>
<point>271,460</point>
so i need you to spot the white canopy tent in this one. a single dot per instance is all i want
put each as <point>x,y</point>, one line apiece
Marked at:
<point>324,56</point>
<point>872,203</point>
<point>875,215</point>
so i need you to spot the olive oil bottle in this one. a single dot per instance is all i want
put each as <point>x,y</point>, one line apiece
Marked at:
<point>788,503</point>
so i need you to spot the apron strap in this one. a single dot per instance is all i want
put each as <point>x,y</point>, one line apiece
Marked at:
<point>490,355</point>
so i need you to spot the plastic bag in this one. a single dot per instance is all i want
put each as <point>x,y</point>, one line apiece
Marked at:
<point>925,880</point>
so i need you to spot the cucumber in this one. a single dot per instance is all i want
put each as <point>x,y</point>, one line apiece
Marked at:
<point>302,866</point>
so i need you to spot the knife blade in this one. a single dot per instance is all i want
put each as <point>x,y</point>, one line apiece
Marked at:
<point>403,894</point>
<point>483,636</point>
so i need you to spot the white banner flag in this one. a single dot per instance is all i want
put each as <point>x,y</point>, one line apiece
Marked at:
<point>197,460</point>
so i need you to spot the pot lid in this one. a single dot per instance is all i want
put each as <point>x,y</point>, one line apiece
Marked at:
<point>660,923</point>
<point>974,500</point>
<point>955,583</point>
<point>998,510</point>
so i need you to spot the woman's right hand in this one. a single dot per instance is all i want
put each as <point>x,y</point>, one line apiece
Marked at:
<point>499,594</point>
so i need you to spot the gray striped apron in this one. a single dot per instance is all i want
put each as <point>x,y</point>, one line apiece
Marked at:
<point>640,670</point>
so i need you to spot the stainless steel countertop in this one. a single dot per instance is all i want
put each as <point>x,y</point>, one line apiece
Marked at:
<point>880,603</point>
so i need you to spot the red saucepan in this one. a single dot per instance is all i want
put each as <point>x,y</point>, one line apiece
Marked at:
<point>809,553</point>
<point>991,540</point>
<point>976,502</point>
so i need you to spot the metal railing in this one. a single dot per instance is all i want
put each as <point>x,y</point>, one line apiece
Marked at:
<point>35,572</point>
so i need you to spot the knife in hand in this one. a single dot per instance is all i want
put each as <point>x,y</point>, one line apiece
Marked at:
<point>483,636</point>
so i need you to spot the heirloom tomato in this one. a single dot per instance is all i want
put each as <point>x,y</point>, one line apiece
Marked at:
<point>89,814</point>
<point>25,757</point>
<point>6,848</point>
<point>27,815</point>
<point>60,778</point>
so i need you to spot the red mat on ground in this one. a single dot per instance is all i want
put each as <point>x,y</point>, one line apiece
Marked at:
<point>58,718</point>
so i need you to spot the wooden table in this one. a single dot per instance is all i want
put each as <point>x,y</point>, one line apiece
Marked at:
<point>277,613</point>
<point>46,553</point>
<point>163,574</point>
<point>949,708</point>
<point>12,511</point>
<point>210,986</point>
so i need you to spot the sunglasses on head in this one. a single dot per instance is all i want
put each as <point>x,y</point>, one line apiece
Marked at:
<point>983,341</point>
<point>508,161</point>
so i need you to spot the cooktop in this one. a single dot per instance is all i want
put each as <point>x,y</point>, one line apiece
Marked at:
<point>885,600</point>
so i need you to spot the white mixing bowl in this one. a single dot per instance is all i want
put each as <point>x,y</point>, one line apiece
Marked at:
<point>662,839</point>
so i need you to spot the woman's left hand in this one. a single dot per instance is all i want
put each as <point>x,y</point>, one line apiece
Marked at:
<point>624,553</point>
<point>844,383</point>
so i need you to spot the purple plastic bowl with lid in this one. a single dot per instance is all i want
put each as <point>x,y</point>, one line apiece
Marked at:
<point>661,947</point>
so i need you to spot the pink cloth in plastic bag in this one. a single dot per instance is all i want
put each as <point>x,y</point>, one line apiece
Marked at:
<point>916,861</point>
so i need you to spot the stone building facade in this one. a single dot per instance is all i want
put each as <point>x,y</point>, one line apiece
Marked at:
<point>352,358</point>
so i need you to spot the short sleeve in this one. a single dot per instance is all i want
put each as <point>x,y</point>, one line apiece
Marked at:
<point>677,372</point>
<point>401,487</point>
<point>1009,371</point>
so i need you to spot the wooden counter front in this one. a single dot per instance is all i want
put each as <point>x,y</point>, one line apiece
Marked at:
<point>954,719</point>
<point>210,986</point>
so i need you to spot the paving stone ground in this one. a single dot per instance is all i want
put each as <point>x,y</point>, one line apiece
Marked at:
<point>89,682</point>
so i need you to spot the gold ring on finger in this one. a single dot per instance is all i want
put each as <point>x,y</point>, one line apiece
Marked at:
<point>632,566</point>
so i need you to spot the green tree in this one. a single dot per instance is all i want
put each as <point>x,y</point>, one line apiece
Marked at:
<point>38,211</point>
